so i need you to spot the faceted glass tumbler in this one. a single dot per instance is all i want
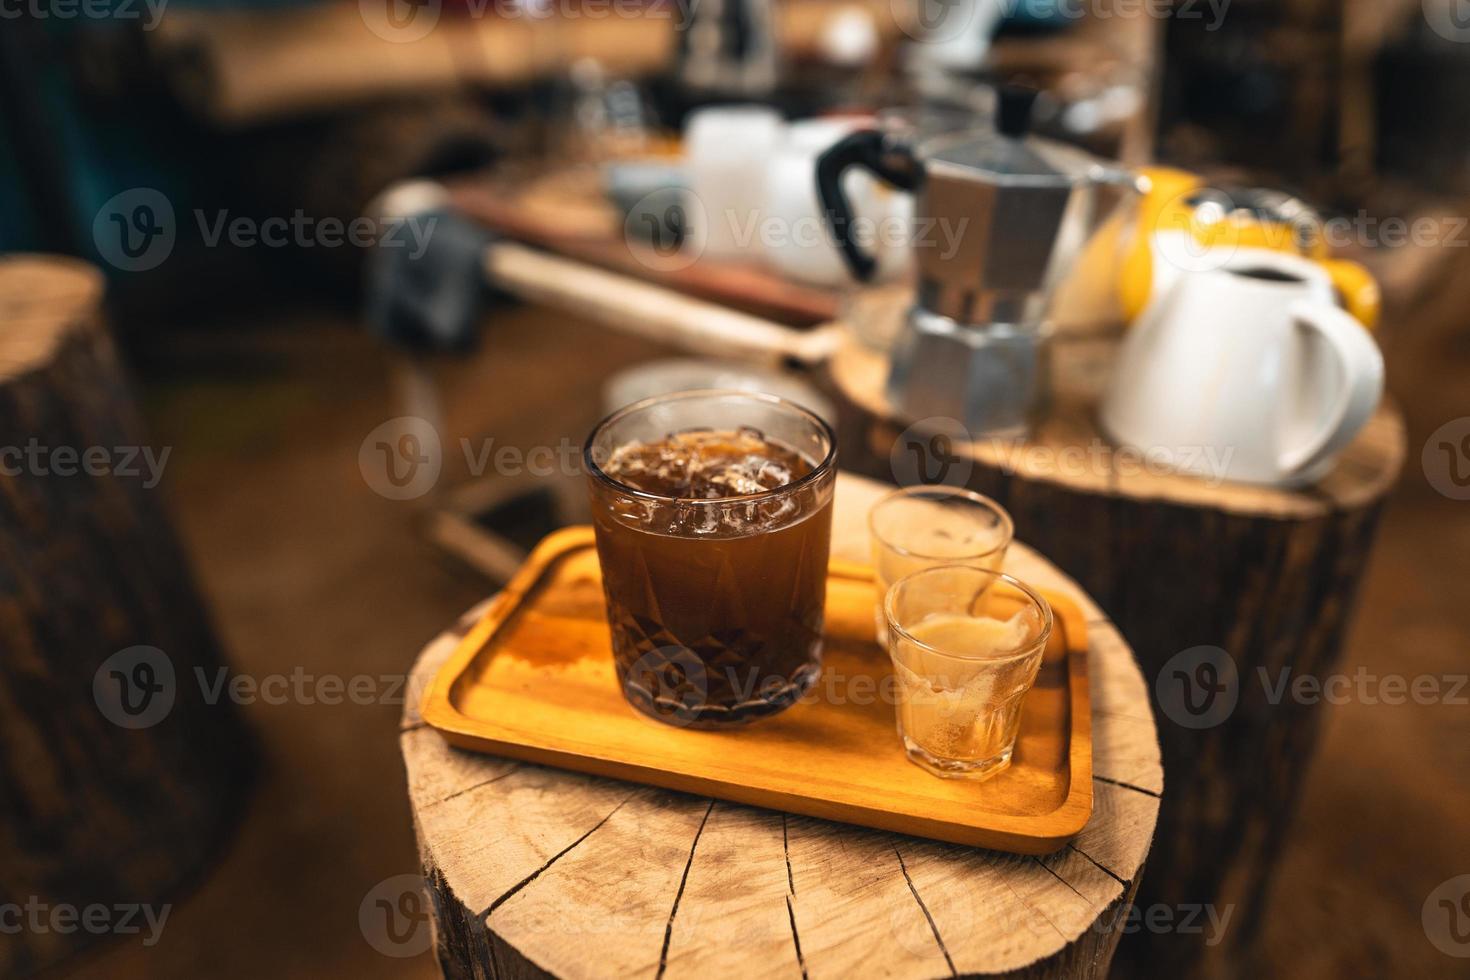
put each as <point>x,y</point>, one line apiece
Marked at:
<point>715,605</point>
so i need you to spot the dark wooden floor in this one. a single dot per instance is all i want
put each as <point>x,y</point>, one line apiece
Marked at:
<point>305,565</point>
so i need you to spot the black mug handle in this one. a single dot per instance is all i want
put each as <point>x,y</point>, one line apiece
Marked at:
<point>871,150</point>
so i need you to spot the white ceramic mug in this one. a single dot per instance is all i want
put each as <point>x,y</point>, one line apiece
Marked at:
<point>726,149</point>
<point>796,240</point>
<point>1249,371</point>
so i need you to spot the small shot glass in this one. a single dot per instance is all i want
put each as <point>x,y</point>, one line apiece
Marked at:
<point>966,644</point>
<point>920,527</point>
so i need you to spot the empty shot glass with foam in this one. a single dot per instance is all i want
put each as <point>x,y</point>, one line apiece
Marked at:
<point>966,644</point>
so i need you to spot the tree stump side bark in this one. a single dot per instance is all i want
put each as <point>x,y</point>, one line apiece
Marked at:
<point>1267,575</point>
<point>111,796</point>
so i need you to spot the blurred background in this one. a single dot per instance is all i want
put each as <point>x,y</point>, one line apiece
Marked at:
<point>236,171</point>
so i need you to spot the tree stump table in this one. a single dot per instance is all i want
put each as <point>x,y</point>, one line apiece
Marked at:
<point>1217,586</point>
<point>120,781</point>
<point>536,871</point>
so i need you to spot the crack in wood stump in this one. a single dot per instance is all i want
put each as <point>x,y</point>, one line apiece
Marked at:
<point>1052,871</point>
<point>791,914</point>
<point>1100,866</point>
<point>786,850</point>
<point>518,886</point>
<point>515,768</point>
<point>933,926</point>
<point>663,956</point>
<point>1119,783</point>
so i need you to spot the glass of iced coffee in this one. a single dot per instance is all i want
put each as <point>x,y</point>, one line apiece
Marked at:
<point>966,645</point>
<point>713,515</point>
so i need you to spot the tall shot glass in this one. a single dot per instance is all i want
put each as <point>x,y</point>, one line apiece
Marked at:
<point>966,644</point>
<point>920,527</point>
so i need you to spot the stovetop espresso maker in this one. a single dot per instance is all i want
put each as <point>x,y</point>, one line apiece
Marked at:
<point>999,218</point>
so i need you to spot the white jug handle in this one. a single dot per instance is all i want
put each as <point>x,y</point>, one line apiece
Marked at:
<point>1362,384</point>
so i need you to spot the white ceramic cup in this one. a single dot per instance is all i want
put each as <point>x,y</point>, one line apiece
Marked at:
<point>1247,371</point>
<point>796,240</point>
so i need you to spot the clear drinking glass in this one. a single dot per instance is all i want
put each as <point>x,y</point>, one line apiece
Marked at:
<point>966,644</point>
<point>713,515</point>
<point>920,527</point>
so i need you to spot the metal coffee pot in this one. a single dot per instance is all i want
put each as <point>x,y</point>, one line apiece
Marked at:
<point>999,218</point>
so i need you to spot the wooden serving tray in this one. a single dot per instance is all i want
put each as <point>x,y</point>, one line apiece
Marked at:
<point>534,680</point>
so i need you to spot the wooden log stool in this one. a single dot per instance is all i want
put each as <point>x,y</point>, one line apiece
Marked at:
<point>112,793</point>
<point>1205,579</point>
<point>536,871</point>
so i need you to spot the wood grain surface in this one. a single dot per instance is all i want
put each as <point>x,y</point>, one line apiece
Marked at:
<point>538,871</point>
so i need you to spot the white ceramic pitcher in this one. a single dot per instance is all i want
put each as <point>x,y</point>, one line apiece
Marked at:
<point>1249,371</point>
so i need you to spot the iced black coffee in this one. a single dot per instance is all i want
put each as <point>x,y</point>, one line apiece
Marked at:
<point>713,513</point>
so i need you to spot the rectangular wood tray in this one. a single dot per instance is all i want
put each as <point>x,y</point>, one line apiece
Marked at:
<point>534,680</point>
